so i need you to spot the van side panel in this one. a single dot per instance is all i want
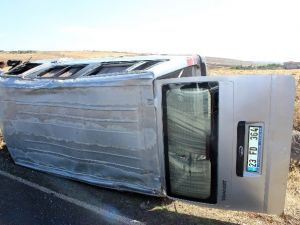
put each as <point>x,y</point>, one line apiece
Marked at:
<point>102,133</point>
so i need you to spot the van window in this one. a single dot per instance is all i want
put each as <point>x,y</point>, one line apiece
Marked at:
<point>110,68</point>
<point>23,68</point>
<point>147,64</point>
<point>51,72</point>
<point>70,71</point>
<point>190,139</point>
<point>60,71</point>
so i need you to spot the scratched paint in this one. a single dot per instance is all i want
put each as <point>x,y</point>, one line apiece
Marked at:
<point>98,130</point>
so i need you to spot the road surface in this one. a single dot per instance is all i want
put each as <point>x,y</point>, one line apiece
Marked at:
<point>29,197</point>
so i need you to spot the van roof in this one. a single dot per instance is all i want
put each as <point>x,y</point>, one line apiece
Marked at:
<point>65,68</point>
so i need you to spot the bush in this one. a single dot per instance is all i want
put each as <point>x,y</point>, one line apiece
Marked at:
<point>272,66</point>
<point>22,52</point>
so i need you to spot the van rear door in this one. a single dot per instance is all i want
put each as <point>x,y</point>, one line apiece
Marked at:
<point>225,141</point>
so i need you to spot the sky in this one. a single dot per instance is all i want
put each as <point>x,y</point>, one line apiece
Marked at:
<point>260,30</point>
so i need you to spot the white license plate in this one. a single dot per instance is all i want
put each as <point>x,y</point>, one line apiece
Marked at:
<point>254,148</point>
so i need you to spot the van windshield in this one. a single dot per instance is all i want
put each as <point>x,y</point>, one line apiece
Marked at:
<point>190,138</point>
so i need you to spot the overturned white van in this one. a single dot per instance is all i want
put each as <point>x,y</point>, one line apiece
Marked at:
<point>155,125</point>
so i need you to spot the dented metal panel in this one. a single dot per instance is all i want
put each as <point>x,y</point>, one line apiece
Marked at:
<point>100,130</point>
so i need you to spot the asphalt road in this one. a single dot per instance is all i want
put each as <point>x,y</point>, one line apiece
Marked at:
<point>22,204</point>
<point>29,197</point>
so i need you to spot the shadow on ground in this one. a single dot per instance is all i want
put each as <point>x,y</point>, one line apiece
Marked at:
<point>151,210</point>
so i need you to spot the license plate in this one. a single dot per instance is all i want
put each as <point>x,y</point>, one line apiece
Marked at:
<point>254,148</point>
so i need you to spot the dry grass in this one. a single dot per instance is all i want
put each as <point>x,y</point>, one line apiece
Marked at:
<point>4,56</point>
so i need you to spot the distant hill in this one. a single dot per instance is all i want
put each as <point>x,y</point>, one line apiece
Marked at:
<point>217,62</point>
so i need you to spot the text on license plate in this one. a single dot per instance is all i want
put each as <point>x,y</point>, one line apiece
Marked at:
<point>254,148</point>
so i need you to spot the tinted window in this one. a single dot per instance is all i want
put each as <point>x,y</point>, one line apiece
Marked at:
<point>23,68</point>
<point>110,68</point>
<point>70,71</point>
<point>61,71</point>
<point>146,65</point>
<point>190,138</point>
<point>51,72</point>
